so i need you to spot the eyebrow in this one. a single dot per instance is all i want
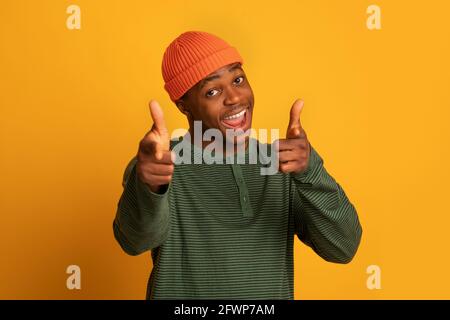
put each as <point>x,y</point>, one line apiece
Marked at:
<point>216,76</point>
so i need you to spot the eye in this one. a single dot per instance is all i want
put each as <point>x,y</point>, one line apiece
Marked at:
<point>241,79</point>
<point>210,93</point>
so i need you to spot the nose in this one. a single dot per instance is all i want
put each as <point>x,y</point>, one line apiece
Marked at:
<point>232,96</point>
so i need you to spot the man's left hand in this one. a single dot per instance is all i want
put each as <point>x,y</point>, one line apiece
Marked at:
<point>294,151</point>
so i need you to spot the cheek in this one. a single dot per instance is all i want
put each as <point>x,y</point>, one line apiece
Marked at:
<point>209,115</point>
<point>248,90</point>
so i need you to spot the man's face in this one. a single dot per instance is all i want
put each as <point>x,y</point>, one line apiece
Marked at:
<point>222,100</point>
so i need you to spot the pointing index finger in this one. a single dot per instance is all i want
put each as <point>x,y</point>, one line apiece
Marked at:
<point>294,129</point>
<point>296,109</point>
<point>157,116</point>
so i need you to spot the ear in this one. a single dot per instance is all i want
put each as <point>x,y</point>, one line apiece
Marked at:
<point>183,107</point>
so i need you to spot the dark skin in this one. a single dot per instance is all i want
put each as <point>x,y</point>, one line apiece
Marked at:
<point>222,93</point>
<point>227,93</point>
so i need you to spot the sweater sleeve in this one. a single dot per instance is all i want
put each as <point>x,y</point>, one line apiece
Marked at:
<point>142,217</point>
<point>324,217</point>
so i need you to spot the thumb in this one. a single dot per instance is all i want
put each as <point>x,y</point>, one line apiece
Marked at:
<point>295,127</point>
<point>158,117</point>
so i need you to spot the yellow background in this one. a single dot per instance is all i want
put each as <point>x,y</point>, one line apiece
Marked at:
<point>74,107</point>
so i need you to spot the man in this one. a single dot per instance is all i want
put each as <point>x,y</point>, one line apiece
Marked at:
<point>226,230</point>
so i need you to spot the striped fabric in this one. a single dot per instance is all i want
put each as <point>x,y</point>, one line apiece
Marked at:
<point>225,231</point>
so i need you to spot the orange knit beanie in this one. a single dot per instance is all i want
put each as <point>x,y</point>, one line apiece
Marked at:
<point>192,56</point>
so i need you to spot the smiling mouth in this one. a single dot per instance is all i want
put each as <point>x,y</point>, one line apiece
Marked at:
<point>236,120</point>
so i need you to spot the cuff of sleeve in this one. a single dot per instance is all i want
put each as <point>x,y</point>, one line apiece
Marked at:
<point>315,163</point>
<point>153,206</point>
<point>145,191</point>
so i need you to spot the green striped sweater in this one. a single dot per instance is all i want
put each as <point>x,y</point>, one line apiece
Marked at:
<point>224,231</point>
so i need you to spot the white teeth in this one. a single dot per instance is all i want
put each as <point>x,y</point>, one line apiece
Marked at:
<point>237,115</point>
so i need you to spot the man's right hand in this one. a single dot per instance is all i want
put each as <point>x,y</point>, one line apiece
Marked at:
<point>155,163</point>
